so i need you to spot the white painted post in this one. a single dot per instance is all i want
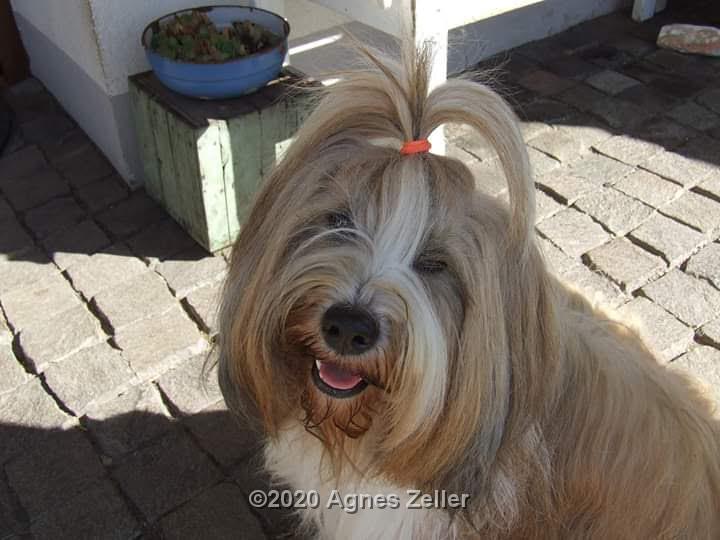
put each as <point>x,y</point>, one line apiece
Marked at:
<point>429,26</point>
<point>643,10</point>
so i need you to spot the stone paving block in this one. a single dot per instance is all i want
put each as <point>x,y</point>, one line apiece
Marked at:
<point>703,150</point>
<point>663,132</point>
<point>191,270</point>
<point>514,64</point>
<point>29,106</point>
<point>530,130</point>
<point>692,115</point>
<point>28,416</point>
<point>573,232</point>
<point>544,82</point>
<point>625,41</point>
<point>488,176</point>
<point>572,67</point>
<point>581,97</point>
<point>611,82</point>
<point>13,374</point>
<point>455,152</point>
<point>630,150</point>
<point>99,512</point>
<point>566,186</point>
<point>22,163</point>
<point>665,236</point>
<point>105,269</point>
<point>615,210</point>
<point>66,147</point>
<point>129,421</point>
<point>600,169</point>
<point>682,65</point>
<point>219,513</point>
<point>678,168</point>
<point>548,111</point>
<point>14,521</point>
<point>189,386</point>
<point>46,128</point>
<point>558,145</point>
<point>53,216</point>
<point>703,364</point>
<point>706,264</point>
<point>699,212</point>
<point>540,163</point>
<point>74,245</point>
<point>469,140</point>
<point>557,261</point>
<point>223,435</point>
<point>154,345</point>
<point>131,215</point>
<point>545,206</point>
<point>85,167</point>
<point>711,332</point>
<point>102,193</point>
<point>161,241</point>
<point>24,270</point>
<point>710,187</point>
<point>204,302</point>
<point>649,188</point>
<point>586,130</point>
<point>662,333</point>
<point>91,375</point>
<point>45,477</point>
<point>14,238</point>
<point>691,300</point>
<point>140,297</point>
<point>6,213</point>
<point>33,304</point>
<point>54,339</point>
<point>626,264</point>
<point>251,475</point>
<point>6,335</point>
<point>619,113</point>
<point>597,288</point>
<point>163,476</point>
<point>649,99</point>
<point>710,98</point>
<point>35,189</point>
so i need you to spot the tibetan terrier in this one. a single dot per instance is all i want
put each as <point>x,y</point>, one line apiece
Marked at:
<point>395,331</point>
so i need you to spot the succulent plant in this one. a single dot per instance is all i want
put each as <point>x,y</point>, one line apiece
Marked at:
<point>193,37</point>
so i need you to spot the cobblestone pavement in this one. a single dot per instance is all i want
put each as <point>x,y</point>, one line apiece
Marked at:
<point>108,307</point>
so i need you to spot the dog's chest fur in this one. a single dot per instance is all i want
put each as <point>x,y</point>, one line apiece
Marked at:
<point>296,458</point>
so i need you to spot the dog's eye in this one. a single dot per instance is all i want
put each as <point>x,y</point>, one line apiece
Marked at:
<point>339,220</point>
<point>430,264</point>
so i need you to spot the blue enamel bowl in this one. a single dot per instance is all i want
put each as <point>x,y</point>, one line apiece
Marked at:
<point>227,79</point>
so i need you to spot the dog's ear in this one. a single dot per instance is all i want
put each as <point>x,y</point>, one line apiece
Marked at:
<point>249,318</point>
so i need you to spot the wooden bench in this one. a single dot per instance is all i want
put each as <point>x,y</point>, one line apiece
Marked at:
<point>204,160</point>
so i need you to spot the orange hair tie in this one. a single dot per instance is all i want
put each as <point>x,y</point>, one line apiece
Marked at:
<point>415,147</point>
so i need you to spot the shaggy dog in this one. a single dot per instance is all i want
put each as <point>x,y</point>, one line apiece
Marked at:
<point>391,328</point>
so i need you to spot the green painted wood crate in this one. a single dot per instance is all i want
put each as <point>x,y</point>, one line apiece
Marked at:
<point>204,160</point>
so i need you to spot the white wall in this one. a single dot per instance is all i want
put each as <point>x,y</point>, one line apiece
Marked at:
<point>84,50</point>
<point>68,24</point>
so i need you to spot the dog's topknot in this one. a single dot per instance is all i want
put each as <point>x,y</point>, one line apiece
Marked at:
<point>389,101</point>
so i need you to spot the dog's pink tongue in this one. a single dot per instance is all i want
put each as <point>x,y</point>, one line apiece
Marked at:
<point>337,377</point>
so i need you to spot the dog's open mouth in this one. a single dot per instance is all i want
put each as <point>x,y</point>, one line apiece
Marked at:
<point>335,381</point>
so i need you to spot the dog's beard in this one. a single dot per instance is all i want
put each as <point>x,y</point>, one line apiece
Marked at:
<point>341,395</point>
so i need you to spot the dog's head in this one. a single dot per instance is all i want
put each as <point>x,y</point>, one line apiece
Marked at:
<point>381,297</point>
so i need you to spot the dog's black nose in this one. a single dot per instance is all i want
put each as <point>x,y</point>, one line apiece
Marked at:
<point>349,329</point>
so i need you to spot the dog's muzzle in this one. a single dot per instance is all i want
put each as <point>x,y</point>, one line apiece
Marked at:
<point>348,331</point>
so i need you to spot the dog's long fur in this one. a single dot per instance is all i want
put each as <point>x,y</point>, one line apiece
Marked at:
<point>491,378</point>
